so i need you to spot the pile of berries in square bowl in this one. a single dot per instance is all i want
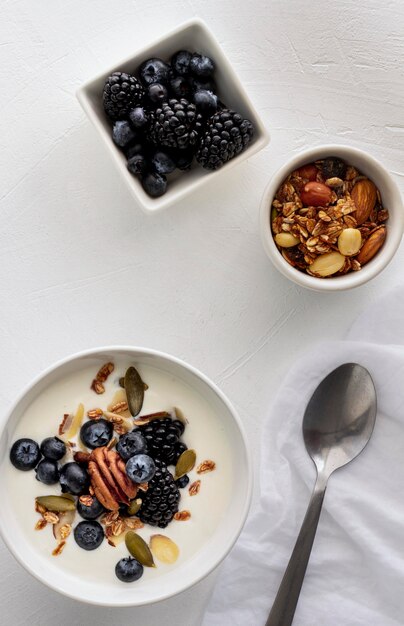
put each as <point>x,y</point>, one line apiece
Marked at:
<point>167,116</point>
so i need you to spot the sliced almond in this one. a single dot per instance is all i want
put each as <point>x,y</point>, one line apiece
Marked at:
<point>76,423</point>
<point>164,549</point>
<point>61,530</point>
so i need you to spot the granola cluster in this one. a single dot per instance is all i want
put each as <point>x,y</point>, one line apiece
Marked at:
<point>328,219</point>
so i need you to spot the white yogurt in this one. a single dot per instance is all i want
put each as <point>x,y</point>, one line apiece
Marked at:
<point>203,433</point>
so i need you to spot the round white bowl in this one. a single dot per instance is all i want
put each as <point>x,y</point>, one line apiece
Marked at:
<point>184,575</point>
<point>391,200</point>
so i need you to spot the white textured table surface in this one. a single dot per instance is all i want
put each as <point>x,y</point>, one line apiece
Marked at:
<point>81,265</point>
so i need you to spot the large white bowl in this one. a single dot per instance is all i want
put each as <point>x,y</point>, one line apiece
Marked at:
<point>193,35</point>
<point>391,198</point>
<point>182,576</point>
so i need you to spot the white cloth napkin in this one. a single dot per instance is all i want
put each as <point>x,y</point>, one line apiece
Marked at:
<point>355,575</point>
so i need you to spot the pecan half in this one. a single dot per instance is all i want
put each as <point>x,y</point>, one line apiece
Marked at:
<point>95,414</point>
<point>194,488</point>
<point>109,480</point>
<point>182,516</point>
<point>206,466</point>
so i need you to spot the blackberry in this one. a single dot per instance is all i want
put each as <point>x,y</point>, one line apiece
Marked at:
<point>122,92</point>
<point>175,124</point>
<point>162,437</point>
<point>226,135</point>
<point>160,502</point>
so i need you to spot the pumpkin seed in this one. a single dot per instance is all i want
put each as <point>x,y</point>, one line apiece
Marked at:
<point>139,549</point>
<point>69,496</point>
<point>56,503</point>
<point>164,548</point>
<point>134,506</point>
<point>134,390</point>
<point>122,382</point>
<point>185,463</point>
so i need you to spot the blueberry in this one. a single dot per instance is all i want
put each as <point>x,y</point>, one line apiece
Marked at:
<point>74,479</point>
<point>128,570</point>
<point>122,133</point>
<point>140,468</point>
<point>205,101</point>
<point>25,454</point>
<point>132,149</point>
<point>180,62</point>
<point>154,184</point>
<point>130,444</point>
<point>138,117</point>
<point>96,433</point>
<point>47,472</point>
<point>182,482</point>
<point>157,93</point>
<point>180,87</point>
<point>137,164</point>
<point>154,71</point>
<point>162,163</point>
<point>200,83</point>
<point>201,65</point>
<point>90,512</point>
<point>89,535</point>
<point>53,448</point>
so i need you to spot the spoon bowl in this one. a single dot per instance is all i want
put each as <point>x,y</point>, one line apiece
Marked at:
<point>340,417</point>
<point>337,425</point>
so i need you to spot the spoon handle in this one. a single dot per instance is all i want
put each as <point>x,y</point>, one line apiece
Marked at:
<point>284,607</point>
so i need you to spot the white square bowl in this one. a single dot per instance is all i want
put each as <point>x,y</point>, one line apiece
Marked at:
<point>193,35</point>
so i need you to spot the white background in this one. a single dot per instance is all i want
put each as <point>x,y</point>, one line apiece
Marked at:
<point>81,265</point>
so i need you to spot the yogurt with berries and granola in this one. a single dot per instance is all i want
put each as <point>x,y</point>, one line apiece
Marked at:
<point>119,474</point>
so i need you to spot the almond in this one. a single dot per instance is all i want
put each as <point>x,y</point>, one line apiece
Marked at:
<point>286,240</point>
<point>327,264</point>
<point>316,194</point>
<point>372,245</point>
<point>364,196</point>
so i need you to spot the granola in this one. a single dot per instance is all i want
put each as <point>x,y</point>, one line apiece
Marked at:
<point>323,216</point>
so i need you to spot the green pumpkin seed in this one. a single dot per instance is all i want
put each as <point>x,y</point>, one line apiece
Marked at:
<point>185,463</point>
<point>139,549</point>
<point>58,504</point>
<point>134,388</point>
<point>134,506</point>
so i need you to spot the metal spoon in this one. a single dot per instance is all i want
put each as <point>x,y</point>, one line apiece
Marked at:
<point>337,425</point>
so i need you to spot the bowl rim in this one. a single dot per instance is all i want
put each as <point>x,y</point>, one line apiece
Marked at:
<point>215,561</point>
<point>155,205</point>
<point>347,281</point>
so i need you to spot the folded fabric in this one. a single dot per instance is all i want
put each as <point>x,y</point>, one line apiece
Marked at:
<point>355,575</point>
